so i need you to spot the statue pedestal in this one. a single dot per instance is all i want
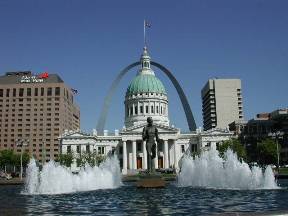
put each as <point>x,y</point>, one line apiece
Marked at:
<point>150,181</point>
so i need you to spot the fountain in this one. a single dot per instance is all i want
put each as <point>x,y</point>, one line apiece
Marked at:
<point>198,191</point>
<point>209,170</point>
<point>57,179</point>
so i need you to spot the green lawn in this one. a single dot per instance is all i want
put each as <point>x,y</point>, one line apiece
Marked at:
<point>284,170</point>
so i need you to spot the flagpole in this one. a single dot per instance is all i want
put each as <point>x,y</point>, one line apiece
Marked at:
<point>144,33</point>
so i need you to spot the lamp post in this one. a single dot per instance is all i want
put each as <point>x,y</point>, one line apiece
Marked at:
<point>277,135</point>
<point>22,143</point>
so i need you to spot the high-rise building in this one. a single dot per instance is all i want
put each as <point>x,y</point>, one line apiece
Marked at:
<point>221,103</point>
<point>36,109</point>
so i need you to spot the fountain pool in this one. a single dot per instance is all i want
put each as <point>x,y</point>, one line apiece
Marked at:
<point>207,185</point>
<point>128,200</point>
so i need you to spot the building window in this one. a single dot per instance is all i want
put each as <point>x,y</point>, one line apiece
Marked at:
<point>208,144</point>
<point>78,149</point>
<point>88,148</point>
<point>57,91</point>
<point>28,91</point>
<point>152,109</point>
<point>21,92</point>
<point>1,92</point>
<point>182,148</point>
<point>136,110</point>
<point>36,92</point>
<point>141,109</point>
<point>42,91</point>
<point>49,91</point>
<point>14,92</point>
<point>101,150</point>
<point>139,146</point>
<point>68,149</point>
<point>157,109</point>
<point>160,146</point>
<point>147,108</point>
<point>194,147</point>
<point>7,92</point>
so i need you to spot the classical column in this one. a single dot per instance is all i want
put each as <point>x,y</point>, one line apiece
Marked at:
<point>175,155</point>
<point>166,160</point>
<point>138,108</point>
<point>149,107</point>
<point>124,157</point>
<point>144,156</point>
<point>134,158</point>
<point>156,158</point>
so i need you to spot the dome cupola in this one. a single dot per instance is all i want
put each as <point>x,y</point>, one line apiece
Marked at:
<point>146,96</point>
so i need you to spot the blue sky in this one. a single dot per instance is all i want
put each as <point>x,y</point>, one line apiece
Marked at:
<point>88,42</point>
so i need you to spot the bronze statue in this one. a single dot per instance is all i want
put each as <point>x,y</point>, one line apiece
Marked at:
<point>150,133</point>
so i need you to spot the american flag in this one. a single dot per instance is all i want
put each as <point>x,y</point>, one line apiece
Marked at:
<point>74,91</point>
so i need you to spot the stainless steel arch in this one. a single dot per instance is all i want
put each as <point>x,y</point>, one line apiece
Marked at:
<point>185,104</point>
<point>188,112</point>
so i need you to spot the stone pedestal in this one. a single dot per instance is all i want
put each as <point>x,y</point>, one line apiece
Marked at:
<point>150,181</point>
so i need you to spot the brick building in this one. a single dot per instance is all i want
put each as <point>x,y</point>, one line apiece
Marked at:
<point>37,109</point>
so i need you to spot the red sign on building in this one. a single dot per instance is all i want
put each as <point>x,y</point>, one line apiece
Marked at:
<point>43,75</point>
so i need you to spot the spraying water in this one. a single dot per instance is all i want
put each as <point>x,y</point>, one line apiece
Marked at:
<point>57,179</point>
<point>211,171</point>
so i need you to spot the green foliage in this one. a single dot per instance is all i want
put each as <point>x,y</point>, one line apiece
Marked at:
<point>283,170</point>
<point>235,145</point>
<point>267,152</point>
<point>8,157</point>
<point>65,159</point>
<point>92,159</point>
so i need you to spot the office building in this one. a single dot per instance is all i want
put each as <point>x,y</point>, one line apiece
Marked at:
<point>221,103</point>
<point>36,109</point>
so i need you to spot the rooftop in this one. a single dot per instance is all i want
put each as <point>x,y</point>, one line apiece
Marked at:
<point>20,77</point>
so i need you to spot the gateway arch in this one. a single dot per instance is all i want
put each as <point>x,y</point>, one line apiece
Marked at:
<point>185,104</point>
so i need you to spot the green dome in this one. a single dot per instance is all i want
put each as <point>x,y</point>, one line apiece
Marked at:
<point>144,83</point>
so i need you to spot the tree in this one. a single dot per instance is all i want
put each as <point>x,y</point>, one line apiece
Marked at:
<point>66,159</point>
<point>16,159</point>
<point>267,152</point>
<point>9,159</point>
<point>6,157</point>
<point>93,159</point>
<point>235,145</point>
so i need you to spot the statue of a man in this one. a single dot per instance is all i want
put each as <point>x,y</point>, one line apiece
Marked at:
<point>150,133</point>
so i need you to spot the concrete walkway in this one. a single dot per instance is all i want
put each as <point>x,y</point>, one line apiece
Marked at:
<point>13,181</point>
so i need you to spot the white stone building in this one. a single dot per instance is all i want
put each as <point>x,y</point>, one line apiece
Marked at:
<point>146,96</point>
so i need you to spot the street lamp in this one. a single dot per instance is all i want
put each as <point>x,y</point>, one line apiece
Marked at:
<point>22,143</point>
<point>277,135</point>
